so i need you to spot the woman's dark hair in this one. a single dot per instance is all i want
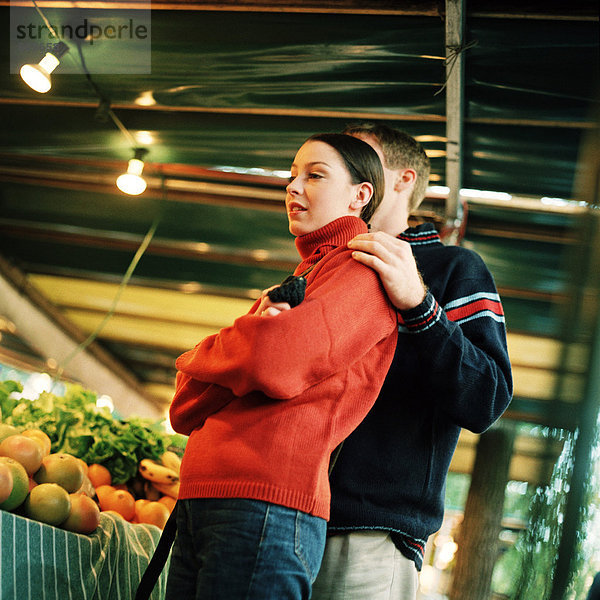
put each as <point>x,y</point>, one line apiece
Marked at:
<point>362,163</point>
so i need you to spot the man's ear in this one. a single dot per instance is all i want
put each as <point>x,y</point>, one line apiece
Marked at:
<point>405,178</point>
<point>364,193</point>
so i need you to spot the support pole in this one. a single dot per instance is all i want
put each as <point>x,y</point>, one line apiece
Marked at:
<point>478,542</point>
<point>455,26</point>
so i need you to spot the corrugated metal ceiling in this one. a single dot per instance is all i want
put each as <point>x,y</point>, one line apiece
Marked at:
<point>234,93</point>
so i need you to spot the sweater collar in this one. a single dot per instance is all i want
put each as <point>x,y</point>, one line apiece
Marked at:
<point>334,234</point>
<point>420,235</point>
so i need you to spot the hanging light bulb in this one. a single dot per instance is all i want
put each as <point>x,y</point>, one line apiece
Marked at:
<point>37,77</point>
<point>132,182</point>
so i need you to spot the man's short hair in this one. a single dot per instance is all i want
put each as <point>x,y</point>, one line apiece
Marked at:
<point>400,151</point>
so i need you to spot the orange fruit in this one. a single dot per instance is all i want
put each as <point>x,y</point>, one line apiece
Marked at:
<point>121,501</point>
<point>99,475</point>
<point>39,436</point>
<point>6,482</point>
<point>139,503</point>
<point>84,516</point>
<point>24,450</point>
<point>168,502</point>
<point>155,513</point>
<point>61,468</point>
<point>20,487</point>
<point>49,503</point>
<point>102,492</point>
<point>32,483</point>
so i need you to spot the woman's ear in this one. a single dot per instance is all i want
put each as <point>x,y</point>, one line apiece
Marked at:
<point>364,193</point>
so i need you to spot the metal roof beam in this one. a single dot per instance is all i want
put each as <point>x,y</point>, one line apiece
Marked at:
<point>563,10</point>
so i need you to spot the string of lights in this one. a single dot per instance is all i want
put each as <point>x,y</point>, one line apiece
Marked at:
<point>38,78</point>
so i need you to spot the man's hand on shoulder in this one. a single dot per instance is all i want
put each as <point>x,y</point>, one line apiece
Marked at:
<point>393,260</point>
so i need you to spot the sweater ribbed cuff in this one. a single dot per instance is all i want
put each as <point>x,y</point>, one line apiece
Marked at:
<point>422,317</point>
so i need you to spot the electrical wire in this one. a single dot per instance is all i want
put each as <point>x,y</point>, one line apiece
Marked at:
<point>103,99</point>
<point>47,23</point>
<point>453,53</point>
<point>124,281</point>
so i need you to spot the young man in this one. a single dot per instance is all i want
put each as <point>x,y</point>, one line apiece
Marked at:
<point>451,370</point>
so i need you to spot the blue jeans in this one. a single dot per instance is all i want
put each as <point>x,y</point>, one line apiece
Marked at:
<point>238,549</point>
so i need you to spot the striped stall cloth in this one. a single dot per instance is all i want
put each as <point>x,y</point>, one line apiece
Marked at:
<point>41,562</point>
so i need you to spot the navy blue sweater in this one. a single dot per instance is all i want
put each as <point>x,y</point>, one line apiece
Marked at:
<point>451,370</point>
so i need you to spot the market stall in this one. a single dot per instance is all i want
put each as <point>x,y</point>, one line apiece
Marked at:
<point>126,471</point>
<point>46,562</point>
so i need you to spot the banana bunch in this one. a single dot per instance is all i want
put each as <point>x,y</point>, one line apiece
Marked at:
<point>172,461</point>
<point>157,472</point>
<point>168,489</point>
<point>162,476</point>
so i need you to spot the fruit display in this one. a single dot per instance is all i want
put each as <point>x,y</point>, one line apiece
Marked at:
<point>19,484</point>
<point>60,468</point>
<point>49,503</point>
<point>63,462</point>
<point>77,426</point>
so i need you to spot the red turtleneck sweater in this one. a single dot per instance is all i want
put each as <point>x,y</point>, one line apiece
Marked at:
<point>267,400</point>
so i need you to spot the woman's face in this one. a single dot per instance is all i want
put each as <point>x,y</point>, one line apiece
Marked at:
<point>320,189</point>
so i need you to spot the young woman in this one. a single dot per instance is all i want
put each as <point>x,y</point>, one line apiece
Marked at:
<point>267,400</point>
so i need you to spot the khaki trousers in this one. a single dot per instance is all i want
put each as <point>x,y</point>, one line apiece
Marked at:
<point>365,566</point>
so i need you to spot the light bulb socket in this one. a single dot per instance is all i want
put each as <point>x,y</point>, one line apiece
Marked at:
<point>139,153</point>
<point>59,50</point>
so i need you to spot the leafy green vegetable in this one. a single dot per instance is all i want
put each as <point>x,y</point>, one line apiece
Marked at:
<point>77,426</point>
<point>6,402</point>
